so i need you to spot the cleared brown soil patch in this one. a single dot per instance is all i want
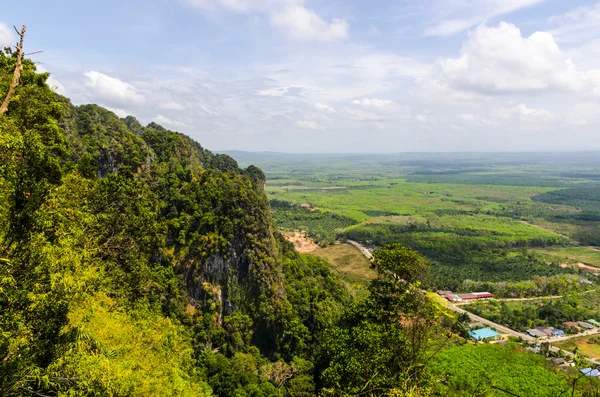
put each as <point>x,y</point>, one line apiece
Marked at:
<point>582,266</point>
<point>302,244</point>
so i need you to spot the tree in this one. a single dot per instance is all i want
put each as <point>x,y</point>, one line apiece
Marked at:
<point>16,73</point>
<point>380,344</point>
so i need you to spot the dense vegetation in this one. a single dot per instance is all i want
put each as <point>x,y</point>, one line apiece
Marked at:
<point>488,370</point>
<point>523,315</point>
<point>133,262</point>
<point>323,227</point>
<point>484,221</point>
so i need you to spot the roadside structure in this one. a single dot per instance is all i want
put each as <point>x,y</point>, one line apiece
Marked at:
<point>484,334</point>
<point>594,322</point>
<point>585,325</point>
<point>536,333</point>
<point>590,372</point>
<point>558,332</point>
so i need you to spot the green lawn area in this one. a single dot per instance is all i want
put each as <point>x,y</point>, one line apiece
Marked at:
<point>584,344</point>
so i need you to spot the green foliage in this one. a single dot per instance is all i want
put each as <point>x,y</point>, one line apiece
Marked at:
<point>544,312</point>
<point>322,226</point>
<point>486,369</point>
<point>380,344</point>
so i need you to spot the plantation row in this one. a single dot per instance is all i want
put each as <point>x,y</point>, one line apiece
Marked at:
<point>586,198</point>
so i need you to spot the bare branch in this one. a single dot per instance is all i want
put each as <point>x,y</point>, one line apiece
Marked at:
<point>16,74</point>
<point>35,52</point>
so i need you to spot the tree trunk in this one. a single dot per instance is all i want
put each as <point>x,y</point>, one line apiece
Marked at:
<point>16,75</point>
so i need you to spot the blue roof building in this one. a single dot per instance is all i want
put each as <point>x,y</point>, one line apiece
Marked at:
<point>590,372</point>
<point>484,333</point>
<point>558,332</point>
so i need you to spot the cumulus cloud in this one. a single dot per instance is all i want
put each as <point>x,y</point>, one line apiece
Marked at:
<point>7,36</point>
<point>299,23</point>
<point>500,60</point>
<point>111,90</point>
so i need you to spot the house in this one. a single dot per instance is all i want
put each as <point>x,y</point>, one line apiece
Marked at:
<point>442,292</point>
<point>559,361</point>
<point>558,332</point>
<point>547,330</point>
<point>594,322</point>
<point>536,333</point>
<point>585,325</point>
<point>484,334</point>
<point>590,372</point>
<point>453,298</point>
<point>476,295</point>
<point>571,324</point>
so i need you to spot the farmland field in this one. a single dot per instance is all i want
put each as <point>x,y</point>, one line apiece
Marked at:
<point>572,254</point>
<point>587,346</point>
<point>349,262</point>
<point>483,220</point>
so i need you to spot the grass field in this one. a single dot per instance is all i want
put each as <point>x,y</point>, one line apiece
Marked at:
<point>349,262</point>
<point>572,254</point>
<point>584,345</point>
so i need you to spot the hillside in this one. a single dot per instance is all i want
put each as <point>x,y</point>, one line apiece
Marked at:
<point>134,262</point>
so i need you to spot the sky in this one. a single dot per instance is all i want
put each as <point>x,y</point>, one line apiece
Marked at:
<point>329,76</point>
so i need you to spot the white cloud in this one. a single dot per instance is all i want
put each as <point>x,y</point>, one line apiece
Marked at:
<point>299,23</point>
<point>473,119</point>
<point>308,125</point>
<point>118,111</point>
<point>7,36</point>
<point>324,108</point>
<point>457,15</point>
<point>290,16</point>
<point>242,5</point>
<point>111,90</point>
<point>374,109</point>
<point>56,86</point>
<point>160,119</point>
<point>578,25</point>
<point>274,91</point>
<point>500,60</point>
<point>172,105</point>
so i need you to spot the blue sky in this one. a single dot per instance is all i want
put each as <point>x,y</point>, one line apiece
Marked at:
<point>331,75</point>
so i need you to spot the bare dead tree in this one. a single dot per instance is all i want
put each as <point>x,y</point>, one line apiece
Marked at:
<point>17,74</point>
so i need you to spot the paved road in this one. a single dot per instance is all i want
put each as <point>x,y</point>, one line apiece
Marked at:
<point>526,337</point>
<point>362,249</point>
<point>499,327</point>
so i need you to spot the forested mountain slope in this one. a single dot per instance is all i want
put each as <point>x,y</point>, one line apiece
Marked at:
<point>135,262</point>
